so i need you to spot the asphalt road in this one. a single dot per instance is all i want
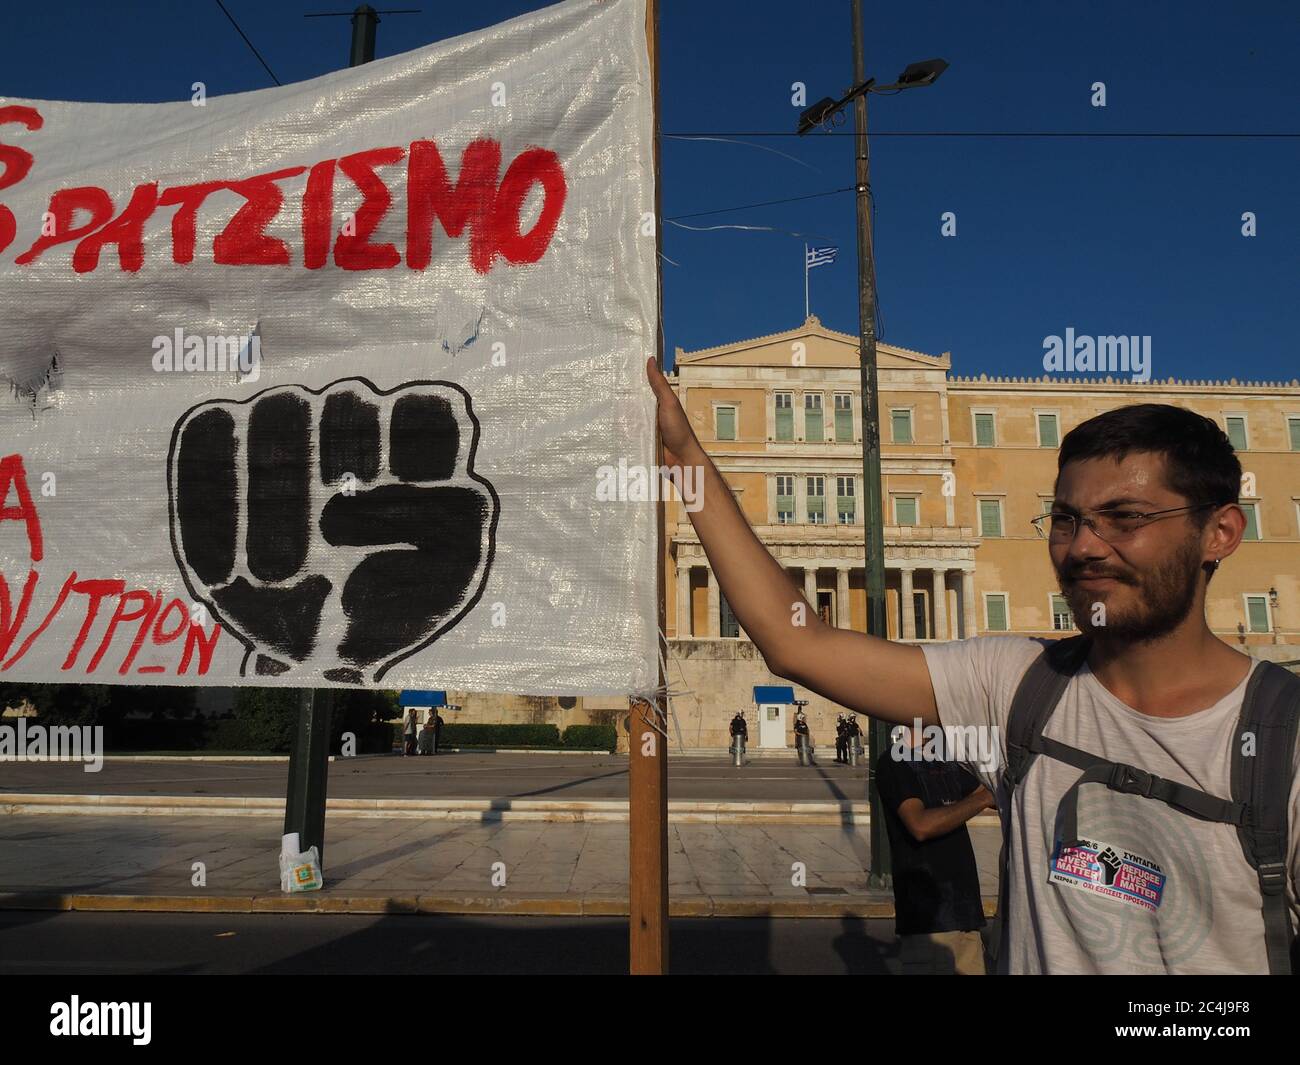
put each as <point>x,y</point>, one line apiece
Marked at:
<point>451,776</point>
<point>186,944</point>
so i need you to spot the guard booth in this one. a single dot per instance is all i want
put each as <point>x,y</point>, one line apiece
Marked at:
<point>774,703</point>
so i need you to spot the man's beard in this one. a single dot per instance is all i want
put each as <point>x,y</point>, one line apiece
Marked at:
<point>1164,597</point>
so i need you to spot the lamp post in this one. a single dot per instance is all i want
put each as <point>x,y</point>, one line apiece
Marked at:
<point>914,76</point>
<point>1272,617</point>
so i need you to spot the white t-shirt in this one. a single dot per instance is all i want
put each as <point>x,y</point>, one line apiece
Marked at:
<point>1172,894</point>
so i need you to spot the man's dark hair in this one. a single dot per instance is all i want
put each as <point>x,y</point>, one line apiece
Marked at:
<point>1200,464</point>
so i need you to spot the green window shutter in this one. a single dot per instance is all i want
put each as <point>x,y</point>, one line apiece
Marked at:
<point>785,423</point>
<point>902,425</point>
<point>816,505</point>
<point>1257,612</point>
<point>726,423</point>
<point>984,430</point>
<point>846,505</point>
<point>1252,521</point>
<point>1047,431</point>
<point>1061,618</point>
<point>843,425</point>
<point>997,611</point>
<point>812,424</point>
<point>784,500</point>
<point>1237,433</point>
<point>1293,424</point>
<point>990,518</point>
<point>905,510</point>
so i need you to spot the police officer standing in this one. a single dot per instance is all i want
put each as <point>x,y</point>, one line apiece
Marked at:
<point>802,737</point>
<point>852,731</point>
<point>841,739</point>
<point>738,727</point>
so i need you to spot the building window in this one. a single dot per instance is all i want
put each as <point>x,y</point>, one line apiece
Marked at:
<point>1257,619</point>
<point>1062,619</point>
<point>990,517</point>
<point>921,615</point>
<point>1236,428</point>
<point>1293,430</point>
<point>901,420</point>
<point>727,623</point>
<point>905,508</point>
<point>1049,431</point>
<point>817,500</point>
<point>995,612</point>
<point>985,430</point>
<point>784,498</point>
<point>845,504</point>
<point>1252,521</point>
<point>812,418</point>
<point>785,415</point>
<point>1045,504</point>
<point>726,422</point>
<point>843,418</point>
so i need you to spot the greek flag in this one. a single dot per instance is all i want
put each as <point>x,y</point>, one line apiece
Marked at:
<point>820,256</point>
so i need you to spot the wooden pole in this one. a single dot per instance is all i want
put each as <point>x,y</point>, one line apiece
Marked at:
<point>647,724</point>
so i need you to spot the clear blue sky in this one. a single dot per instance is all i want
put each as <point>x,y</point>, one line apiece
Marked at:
<point>1124,236</point>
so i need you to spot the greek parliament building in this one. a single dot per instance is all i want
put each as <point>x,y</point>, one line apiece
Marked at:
<point>967,462</point>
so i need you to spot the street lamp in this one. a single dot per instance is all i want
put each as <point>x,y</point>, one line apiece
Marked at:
<point>819,114</point>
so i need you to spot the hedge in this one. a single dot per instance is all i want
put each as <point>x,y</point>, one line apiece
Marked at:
<point>591,737</point>
<point>500,736</point>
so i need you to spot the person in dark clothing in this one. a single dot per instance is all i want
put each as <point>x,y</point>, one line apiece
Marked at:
<point>937,902</point>
<point>801,729</point>
<point>437,730</point>
<point>738,727</point>
<point>852,733</point>
<point>425,745</point>
<point>841,740</point>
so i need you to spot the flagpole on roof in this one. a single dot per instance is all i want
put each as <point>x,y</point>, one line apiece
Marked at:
<point>806,311</point>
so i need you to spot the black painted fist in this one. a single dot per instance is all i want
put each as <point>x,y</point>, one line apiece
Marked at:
<point>336,531</point>
<point>1111,864</point>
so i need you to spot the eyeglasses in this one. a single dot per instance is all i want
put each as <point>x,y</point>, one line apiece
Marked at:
<point>1113,526</point>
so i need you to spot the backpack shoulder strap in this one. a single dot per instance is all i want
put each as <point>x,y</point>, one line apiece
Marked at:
<point>1263,767</point>
<point>1031,707</point>
<point>1039,691</point>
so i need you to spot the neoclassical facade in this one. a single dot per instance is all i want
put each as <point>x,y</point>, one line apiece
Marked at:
<point>966,463</point>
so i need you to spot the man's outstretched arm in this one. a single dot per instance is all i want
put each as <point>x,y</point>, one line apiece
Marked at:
<point>864,673</point>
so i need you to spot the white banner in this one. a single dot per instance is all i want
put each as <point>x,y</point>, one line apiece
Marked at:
<point>314,385</point>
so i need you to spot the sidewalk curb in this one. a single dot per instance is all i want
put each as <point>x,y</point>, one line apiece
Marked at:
<point>793,812</point>
<point>881,906</point>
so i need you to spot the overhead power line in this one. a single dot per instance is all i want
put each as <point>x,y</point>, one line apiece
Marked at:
<point>248,42</point>
<point>764,203</point>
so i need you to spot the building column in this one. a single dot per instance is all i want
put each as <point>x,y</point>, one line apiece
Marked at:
<point>843,617</point>
<point>968,603</point>
<point>939,593</point>
<point>683,601</point>
<point>810,586</point>
<point>715,606</point>
<point>905,603</point>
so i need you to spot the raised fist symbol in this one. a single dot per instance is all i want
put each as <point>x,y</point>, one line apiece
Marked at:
<point>333,531</point>
<point>1110,864</point>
